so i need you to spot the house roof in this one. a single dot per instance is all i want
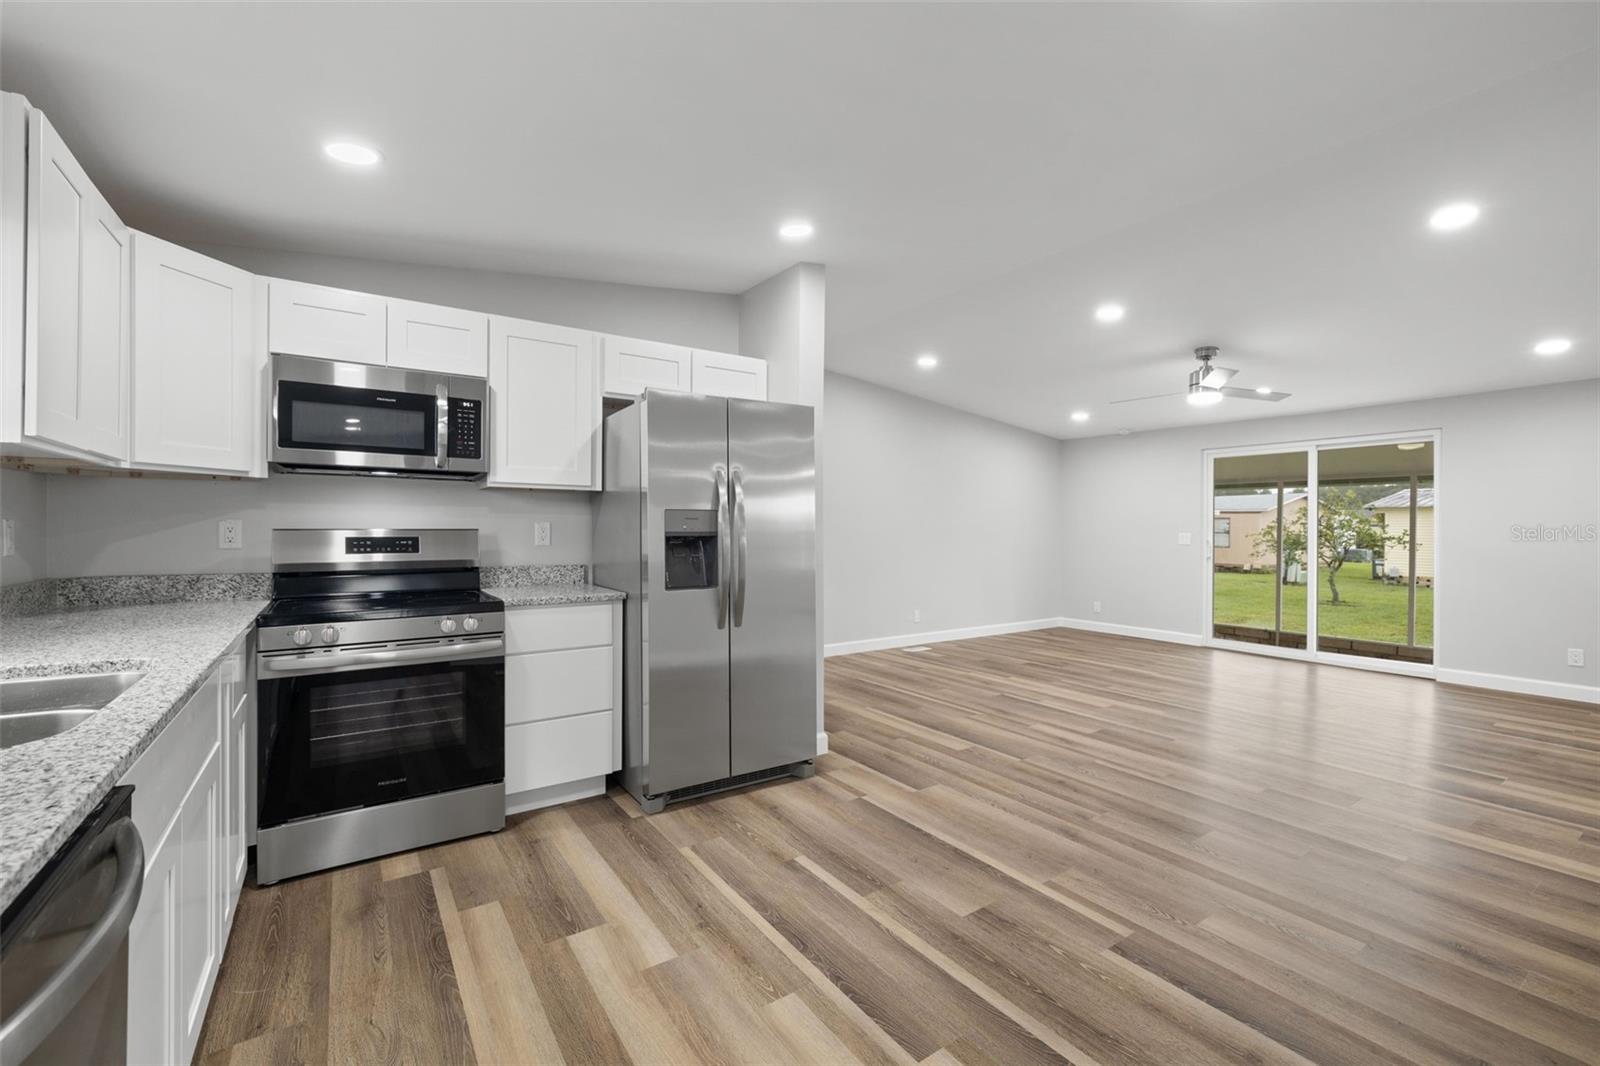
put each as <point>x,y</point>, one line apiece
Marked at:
<point>1403,499</point>
<point>1254,502</point>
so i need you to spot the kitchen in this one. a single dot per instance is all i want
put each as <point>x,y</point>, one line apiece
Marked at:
<point>594,533</point>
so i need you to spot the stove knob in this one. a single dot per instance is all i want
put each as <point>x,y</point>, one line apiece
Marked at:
<point>447,625</point>
<point>470,624</point>
<point>302,637</point>
<point>330,634</point>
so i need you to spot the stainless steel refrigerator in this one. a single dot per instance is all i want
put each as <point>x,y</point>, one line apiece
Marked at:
<point>708,522</point>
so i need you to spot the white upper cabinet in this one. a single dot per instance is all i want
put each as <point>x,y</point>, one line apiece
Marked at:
<point>195,382</point>
<point>737,376</point>
<point>631,366</point>
<point>325,323</point>
<point>76,343</point>
<point>544,406</point>
<point>442,340</point>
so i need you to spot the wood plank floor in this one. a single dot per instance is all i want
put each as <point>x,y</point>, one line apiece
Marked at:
<point>1051,846</point>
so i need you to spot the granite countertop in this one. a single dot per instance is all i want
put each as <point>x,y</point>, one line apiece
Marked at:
<point>49,786</point>
<point>552,595</point>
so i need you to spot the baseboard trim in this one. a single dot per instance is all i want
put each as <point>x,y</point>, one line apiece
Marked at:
<point>1167,636</point>
<point>940,636</point>
<point>1527,686</point>
<point>822,743</point>
<point>550,795</point>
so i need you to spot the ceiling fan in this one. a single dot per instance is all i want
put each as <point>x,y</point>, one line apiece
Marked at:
<point>1209,384</point>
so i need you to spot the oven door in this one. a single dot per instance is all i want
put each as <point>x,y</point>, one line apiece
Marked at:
<point>349,415</point>
<point>380,726</point>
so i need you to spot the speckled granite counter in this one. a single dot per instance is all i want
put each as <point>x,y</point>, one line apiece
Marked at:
<point>49,786</point>
<point>554,595</point>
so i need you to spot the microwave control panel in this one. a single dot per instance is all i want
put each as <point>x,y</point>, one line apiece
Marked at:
<point>466,429</point>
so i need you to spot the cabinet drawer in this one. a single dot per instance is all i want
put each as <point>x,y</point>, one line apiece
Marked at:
<point>553,628</point>
<point>163,774</point>
<point>326,323</point>
<point>540,754</point>
<point>553,684</point>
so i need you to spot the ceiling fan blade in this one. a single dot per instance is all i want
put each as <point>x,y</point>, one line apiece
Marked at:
<point>1252,394</point>
<point>1217,376</point>
<point>1136,399</point>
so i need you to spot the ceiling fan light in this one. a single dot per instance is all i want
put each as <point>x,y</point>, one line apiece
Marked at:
<point>1203,397</point>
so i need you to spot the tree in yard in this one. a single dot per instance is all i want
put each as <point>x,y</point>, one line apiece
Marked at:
<point>1342,526</point>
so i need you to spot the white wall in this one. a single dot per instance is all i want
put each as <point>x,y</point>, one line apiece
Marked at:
<point>1503,606</point>
<point>677,316</point>
<point>932,509</point>
<point>22,501</point>
<point>148,526</point>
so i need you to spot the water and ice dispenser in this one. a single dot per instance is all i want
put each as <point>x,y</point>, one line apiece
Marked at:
<point>691,548</point>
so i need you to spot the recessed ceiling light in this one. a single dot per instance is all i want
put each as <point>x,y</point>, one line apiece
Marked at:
<point>1411,446</point>
<point>1453,217</point>
<point>1264,390</point>
<point>1109,313</point>
<point>927,360</point>
<point>796,231</point>
<point>1553,346</point>
<point>357,155</point>
<point>1204,397</point>
<point>1080,416</point>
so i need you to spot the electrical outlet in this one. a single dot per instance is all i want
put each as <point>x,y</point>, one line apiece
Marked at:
<point>1184,539</point>
<point>1574,656</point>
<point>916,614</point>
<point>541,534</point>
<point>1096,606</point>
<point>230,534</point>
<point>10,528</point>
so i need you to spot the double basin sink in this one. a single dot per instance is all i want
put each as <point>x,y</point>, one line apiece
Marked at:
<point>33,708</point>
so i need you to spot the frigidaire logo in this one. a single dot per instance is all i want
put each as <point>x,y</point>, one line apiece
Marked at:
<point>392,781</point>
<point>1579,533</point>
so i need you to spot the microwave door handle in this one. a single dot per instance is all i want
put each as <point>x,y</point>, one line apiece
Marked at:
<point>442,437</point>
<point>724,577</point>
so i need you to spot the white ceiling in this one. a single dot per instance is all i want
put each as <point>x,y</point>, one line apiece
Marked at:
<point>1253,176</point>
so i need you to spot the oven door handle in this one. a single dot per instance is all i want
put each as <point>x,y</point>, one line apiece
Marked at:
<point>323,662</point>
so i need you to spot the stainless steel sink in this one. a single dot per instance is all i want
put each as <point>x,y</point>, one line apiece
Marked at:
<point>32,708</point>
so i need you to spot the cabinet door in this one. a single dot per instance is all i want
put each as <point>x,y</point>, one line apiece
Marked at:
<point>631,366</point>
<point>198,902</point>
<point>195,386</point>
<point>326,323</point>
<point>544,406</point>
<point>738,376</point>
<point>152,971</point>
<point>442,340</point>
<point>75,329</point>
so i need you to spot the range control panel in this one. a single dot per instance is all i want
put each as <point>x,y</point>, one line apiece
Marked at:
<point>382,545</point>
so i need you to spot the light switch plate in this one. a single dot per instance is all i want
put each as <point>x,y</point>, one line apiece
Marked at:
<point>230,534</point>
<point>541,534</point>
<point>1184,538</point>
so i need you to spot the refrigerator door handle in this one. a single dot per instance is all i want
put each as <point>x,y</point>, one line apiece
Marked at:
<point>724,577</point>
<point>742,549</point>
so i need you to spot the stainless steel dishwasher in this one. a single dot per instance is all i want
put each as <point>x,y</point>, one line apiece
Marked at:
<point>64,946</point>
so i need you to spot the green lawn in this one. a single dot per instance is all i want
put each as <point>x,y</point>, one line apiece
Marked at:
<point>1368,609</point>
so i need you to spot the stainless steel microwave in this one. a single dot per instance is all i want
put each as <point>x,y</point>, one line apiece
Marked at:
<point>350,418</point>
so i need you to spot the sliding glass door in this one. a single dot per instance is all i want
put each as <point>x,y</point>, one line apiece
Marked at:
<point>1258,582</point>
<point>1325,550</point>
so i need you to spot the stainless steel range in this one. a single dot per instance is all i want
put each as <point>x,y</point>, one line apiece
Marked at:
<point>381,697</point>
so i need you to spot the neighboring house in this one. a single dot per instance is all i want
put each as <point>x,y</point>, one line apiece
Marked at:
<point>1394,511</point>
<point>1235,521</point>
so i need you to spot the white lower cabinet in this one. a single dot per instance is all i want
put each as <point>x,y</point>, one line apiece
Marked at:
<point>563,701</point>
<point>186,804</point>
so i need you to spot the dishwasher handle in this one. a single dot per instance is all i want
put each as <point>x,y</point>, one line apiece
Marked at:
<point>49,1006</point>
